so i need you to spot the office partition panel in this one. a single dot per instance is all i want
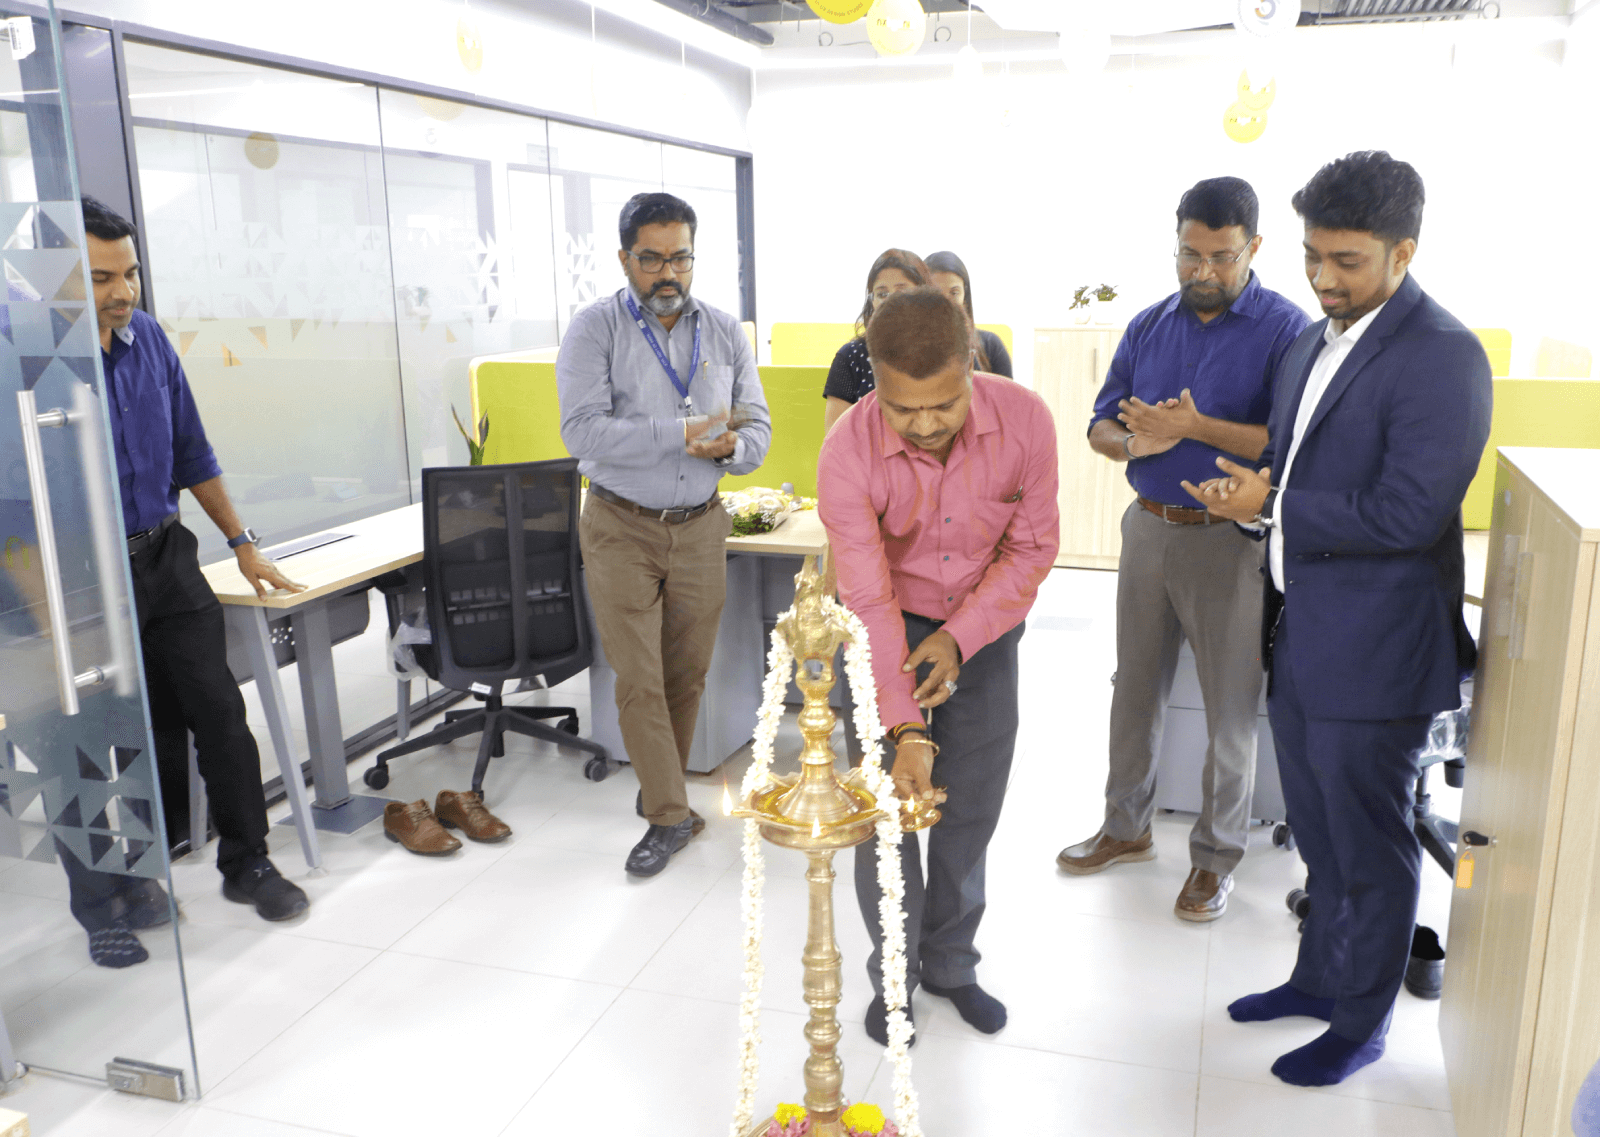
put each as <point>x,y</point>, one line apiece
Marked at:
<point>708,182</point>
<point>268,245</point>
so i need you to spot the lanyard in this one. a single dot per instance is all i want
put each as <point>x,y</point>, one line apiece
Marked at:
<point>666,364</point>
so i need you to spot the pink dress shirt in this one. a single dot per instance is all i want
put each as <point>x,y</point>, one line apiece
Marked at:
<point>967,541</point>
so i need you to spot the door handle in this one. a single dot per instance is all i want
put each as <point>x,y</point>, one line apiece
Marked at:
<point>68,678</point>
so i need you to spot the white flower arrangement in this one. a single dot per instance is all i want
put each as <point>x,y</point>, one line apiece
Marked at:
<point>761,510</point>
<point>891,880</point>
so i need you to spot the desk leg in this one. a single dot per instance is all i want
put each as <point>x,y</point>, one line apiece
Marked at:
<point>8,1059</point>
<point>319,694</point>
<point>251,623</point>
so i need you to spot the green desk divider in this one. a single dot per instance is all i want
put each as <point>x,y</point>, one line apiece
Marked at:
<point>814,345</point>
<point>519,396</point>
<point>1557,413</point>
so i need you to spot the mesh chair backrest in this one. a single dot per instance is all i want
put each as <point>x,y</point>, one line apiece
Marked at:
<point>500,557</point>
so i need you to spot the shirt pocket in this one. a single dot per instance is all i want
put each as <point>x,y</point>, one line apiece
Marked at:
<point>712,391</point>
<point>990,519</point>
<point>147,426</point>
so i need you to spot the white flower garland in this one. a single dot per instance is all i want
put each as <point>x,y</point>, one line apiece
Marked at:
<point>891,879</point>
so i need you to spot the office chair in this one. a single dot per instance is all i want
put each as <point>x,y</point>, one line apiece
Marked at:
<point>504,598</point>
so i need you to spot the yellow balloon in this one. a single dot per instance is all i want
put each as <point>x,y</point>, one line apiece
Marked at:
<point>840,11</point>
<point>469,46</point>
<point>897,27</point>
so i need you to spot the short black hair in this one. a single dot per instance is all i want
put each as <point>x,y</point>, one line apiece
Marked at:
<point>1367,191</point>
<point>100,220</point>
<point>1220,202</point>
<point>918,332</point>
<point>653,209</point>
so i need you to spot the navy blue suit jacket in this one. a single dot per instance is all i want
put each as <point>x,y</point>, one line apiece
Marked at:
<point>1372,557</point>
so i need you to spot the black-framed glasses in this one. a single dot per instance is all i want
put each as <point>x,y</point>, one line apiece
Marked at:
<point>1218,261</point>
<point>652,262</point>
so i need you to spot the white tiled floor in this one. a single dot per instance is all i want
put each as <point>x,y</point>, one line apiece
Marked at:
<point>532,989</point>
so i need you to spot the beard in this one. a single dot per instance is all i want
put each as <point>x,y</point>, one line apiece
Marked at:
<point>665,298</point>
<point>1198,298</point>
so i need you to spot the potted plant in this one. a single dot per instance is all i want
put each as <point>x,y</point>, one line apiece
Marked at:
<point>1080,305</point>
<point>1105,309</point>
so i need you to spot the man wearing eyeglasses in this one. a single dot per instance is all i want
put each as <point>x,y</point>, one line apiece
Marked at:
<point>1191,380</point>
<point>659,399</point>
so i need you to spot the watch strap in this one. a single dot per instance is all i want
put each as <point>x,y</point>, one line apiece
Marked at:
<point>248,537</point>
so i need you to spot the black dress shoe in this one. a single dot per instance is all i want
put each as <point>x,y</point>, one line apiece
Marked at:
<point>260,884</point>
<point>1425,968</point>
<point>699,822</point>
<point>657,845</point>
<point>144,904</point>
<point>877,1022</point>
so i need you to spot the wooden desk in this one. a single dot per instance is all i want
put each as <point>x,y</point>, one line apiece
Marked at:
<point>376,545</point>
<point>393,540</point>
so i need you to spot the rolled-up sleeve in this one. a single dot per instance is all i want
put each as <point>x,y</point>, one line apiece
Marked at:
<point>755,433</point>
<point>844,502</point>
<point>589,429</point>
<point>1025,555</point>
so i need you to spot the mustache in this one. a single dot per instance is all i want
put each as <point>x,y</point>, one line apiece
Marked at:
<point>661,284</point>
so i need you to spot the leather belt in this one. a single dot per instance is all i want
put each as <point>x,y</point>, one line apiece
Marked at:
<point>138,542</point>
<point>1178,515</point>
<point>669,516</point>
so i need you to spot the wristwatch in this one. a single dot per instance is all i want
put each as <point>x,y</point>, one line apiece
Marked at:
<point>1269,510</point>
<point>723,463</point>
<point>248,537</point>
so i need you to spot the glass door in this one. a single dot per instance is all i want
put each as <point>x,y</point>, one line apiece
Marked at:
<point>91,972</point>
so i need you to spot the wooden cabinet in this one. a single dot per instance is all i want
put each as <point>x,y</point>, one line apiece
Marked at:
<point>1069,365</point>
<point>1520,1020</point>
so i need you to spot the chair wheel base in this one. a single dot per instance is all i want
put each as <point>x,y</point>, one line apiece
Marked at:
<point>377,777</point>
<point>1283,837</point>
<point>597,769</point>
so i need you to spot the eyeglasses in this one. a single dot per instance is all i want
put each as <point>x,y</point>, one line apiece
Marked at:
<point>652,262</point>
<point>1218,261</point>
<point>882,294</point>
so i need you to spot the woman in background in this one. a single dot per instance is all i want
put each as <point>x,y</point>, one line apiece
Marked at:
<point>950,277</point>
<point>850,376</point>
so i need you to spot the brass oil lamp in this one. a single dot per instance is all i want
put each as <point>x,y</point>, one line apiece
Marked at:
<point>819,813</point>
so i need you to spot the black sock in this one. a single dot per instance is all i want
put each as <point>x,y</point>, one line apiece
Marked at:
<point>1280,1003</point>
<point>980,1009</point>
<point>1326,1060</point>
<point>877,1021</point>
<point>115,947</point>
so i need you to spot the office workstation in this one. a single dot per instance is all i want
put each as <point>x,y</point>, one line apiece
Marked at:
<point>420,428</point>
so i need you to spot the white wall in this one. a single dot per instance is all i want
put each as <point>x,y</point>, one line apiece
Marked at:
<point>542,57</point>
<point>1043,184</point>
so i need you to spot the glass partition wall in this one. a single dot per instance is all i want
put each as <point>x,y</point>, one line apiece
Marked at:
<point>328,256</point>
<point>91,970</point>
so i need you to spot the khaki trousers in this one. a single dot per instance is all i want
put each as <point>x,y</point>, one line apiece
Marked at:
<point>657,592</point>
<point>1203,583</point>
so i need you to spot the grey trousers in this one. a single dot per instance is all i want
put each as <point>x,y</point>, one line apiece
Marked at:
<point>976,729</point>
<point>1202,582</point>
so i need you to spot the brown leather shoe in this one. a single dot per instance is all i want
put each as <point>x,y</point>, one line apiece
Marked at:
<point>1100,852</point>
<point>413,825</point>
<point>466,812</point>
<point>1204,896</point>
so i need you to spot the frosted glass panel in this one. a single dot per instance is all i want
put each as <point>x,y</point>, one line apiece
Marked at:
<point>706,181</point>
<point>268,248</point>
<point>469,217</point>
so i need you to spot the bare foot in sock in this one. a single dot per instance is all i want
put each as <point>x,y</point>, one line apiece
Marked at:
<point>981,1010</point>
<point>1326,1060</point>
<point>877,1022</point>
<point>1280,1003</point>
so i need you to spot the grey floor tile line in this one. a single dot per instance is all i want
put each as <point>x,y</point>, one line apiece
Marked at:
<point>565,1058</point>
<point>192,1107</point>
<point>1331,1091</point>
<point>1200,1059</point>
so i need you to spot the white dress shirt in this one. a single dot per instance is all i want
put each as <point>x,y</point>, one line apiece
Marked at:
<point>1336,349</point>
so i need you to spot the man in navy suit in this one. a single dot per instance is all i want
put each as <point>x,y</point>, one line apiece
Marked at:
<point>1377,429</point>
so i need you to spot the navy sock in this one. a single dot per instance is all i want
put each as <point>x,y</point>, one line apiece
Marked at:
<point>1326,1060</point>
<point>877,1022</point>
<point>980,1009</point>
<point>1280,1003</point>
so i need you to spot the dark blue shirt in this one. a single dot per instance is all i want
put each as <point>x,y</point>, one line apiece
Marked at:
<point>155,426</point>
<point>1229,365</point>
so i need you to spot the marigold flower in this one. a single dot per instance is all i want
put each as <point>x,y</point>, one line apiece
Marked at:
<point>862,1118</point>
<point>788,1112</point>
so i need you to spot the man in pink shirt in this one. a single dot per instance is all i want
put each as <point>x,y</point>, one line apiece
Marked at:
<point>938,491</point>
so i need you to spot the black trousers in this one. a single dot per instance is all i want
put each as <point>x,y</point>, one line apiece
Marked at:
<point>976,729</point>
<point>190,688</point>
<point>1349,787</point>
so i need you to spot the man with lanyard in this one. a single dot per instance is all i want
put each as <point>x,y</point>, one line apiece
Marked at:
<point>1191,380</point>
<point>160,446</point>
<point>938,492</point>
<point>651,380</point>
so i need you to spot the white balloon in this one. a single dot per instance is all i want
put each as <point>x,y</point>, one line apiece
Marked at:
<point>1266,17</point>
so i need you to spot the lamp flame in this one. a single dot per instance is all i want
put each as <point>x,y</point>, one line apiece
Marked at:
<point>727,801</point>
